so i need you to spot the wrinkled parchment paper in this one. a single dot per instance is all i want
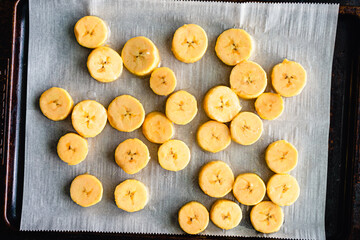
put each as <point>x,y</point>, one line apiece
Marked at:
<point>301,32</point>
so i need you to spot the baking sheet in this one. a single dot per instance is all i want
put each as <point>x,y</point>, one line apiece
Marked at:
<point>300,32</point>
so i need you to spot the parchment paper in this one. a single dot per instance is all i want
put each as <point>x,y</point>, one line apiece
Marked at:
<point>301,32</point>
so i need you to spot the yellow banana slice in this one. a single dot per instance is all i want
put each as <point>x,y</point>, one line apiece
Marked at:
<point>248,80</point>
<point>181,107</point>
<point>132,155</point>
<point>72,148</point>
<point>283,189</point>
<point>266,217</point>
<point>140,56</point>
<point>163,81</point>
<point>249,189</point>
<point>131,195</point>
<point>246,128</point>
<point>281,156</point>
<point>126,113</point>
<point>216,179</point>
<point>89,118</point>
<point>193,217</point>
<point>174,155</point>
<point>91,32</point>
<point>157,128</point>
<point>269,106</point>
<point>104,64</point>
<point>86,190</point>
<point>213,136</point>
<point>288,78</point>
<point>233,46</point>
<point>225,214</point>
<point>221,104</point>
<point>56,103</point>
<point>189,43</point>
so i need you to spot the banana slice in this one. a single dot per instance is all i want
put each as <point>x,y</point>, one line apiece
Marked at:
<point>132,155</point>
<point>89,118</point>
<point>266,217</point>
<point>91,32</point>
<point>233,46</point>
<point>288,78</point>
<point>225,214</point>
<point>140,56</point>
<point>56,103</point>
<point>163,81</point>
<point>216,179</point>
<point>174,155</point>
<point>72,148</point>
<point>86,190</point>
<point>281,156</point>
<point>193,217</point>
<point>269,106</point>
<point>283,189</point>
<point>157,128</point>
<point>249,189</point>
<point>131,195</point>
<point>126,113</point>
<point>221,104</point>
<point>189,43</point>
<point>213,136</point>
<point>248,80</point>
<point>246,128</point>
<point>181,107</point>
<point>104,64</point>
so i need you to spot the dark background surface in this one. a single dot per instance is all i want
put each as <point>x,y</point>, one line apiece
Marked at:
<point>343,51</point>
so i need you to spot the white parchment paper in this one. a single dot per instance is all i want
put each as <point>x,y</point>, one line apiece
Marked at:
<point>301,32</point>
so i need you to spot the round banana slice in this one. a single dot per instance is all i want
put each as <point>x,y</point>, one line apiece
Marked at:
<point>281,156</point>
<point>89,118</point>
<point>181,107</point>
<point>131,195</point>
<point>72,148</point>
<point>104,64</point>
<point>140,56</point>
<point>157,128</point>
<point>233,46</point>
<point>216,179</point>
<point>225,214</point>
<point>86,190</point>
<point>248,80</point>
<point>249,189</point>
<point>283,189</point>
<point>213,136</point>
<point>193,217</point>
<point>221,104</point>
<point>126,113</point>
<point>288,78</point>
<point>246,128</point>
<point>189,43</point>
<point>269,106</point>
<point>266,217</point>
<point>91,32</point>
<point>174,155</point>
<point>132,155</point>
<point>56,103</point>
<point>163,81</point>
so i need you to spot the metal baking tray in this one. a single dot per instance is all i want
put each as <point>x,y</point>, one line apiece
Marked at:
<point>343,182</point>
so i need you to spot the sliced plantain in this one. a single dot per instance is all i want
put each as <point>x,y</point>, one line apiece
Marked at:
<point>174,155</point>
<point>132,155</point>
<point>249,189</point>
<point>181,107</point>
<point>193,217</point>
<point>157,128</point>
<point>72,148</point>
<point>281,156</point>
<point>283,189</point>
<point>225,214</point>
<point>221,104</point>
<point>269,106</point>
<point>104,64</point>
<point>126,113</point>
<point>266,217</point>
<point>213,136</point>
<point>246,128</point>
<point>248,80</point>
<point>86,190</point>
<point>91,31</point>
<point>131,195</point>
<point>163,81</point>
<point>56,103</point>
